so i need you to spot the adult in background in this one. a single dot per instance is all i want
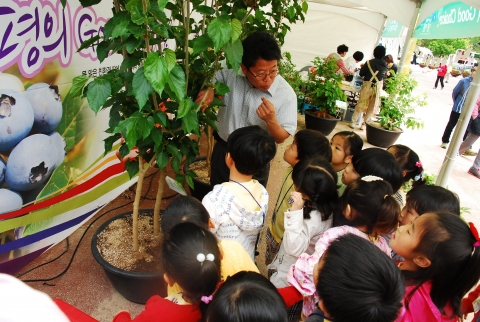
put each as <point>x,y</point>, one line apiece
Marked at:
<point>373,73</point>
<point>338,57</point>
<point>441,72</point>
<point>352,62</point>
<point>459,95</point>
<point>391,66</point>
<point>258,96</point>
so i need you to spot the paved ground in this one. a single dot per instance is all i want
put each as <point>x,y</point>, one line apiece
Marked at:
<point>85,285</point>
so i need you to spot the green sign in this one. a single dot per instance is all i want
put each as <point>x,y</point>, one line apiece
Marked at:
<point>455,20</point>
<point>393,30</point>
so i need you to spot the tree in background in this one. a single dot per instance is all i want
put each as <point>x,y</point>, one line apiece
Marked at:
<point>445,47</point>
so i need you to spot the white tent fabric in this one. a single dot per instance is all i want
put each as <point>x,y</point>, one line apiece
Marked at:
<point>430,6</point>
<point>326,27</point>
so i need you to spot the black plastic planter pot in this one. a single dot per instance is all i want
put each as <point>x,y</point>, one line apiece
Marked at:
<point>134,286</point>
<point>323,125</point>
<point>381,137</point>
<point>200,188</point>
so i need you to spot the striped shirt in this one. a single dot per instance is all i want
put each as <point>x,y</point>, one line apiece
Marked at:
<point>243,100</point>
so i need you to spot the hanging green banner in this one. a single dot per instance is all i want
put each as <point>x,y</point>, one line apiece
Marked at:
<point>455,20</point>
<point>393,30</point>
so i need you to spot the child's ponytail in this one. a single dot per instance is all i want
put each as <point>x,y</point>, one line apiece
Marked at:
<point>388,214</point>
<point>316,178</point>
<point>191,258</point>
<point>371,204</point>
<point>410,164</point>
<point>453,249</point>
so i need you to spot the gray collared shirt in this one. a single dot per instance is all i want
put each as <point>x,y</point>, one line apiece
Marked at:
<point>243,100</point>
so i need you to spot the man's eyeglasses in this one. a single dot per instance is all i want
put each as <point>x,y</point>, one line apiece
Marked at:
<point>272,74</point>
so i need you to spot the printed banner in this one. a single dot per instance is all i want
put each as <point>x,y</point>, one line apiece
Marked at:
<point>393,30</point>
<point>455,20</point>
<point>53,172</point>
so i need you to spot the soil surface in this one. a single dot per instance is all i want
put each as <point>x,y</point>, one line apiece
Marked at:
<point>201,170</point>
<point>115,244</point>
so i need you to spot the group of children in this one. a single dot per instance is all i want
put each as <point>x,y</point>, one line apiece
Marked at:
<point>340,217</point>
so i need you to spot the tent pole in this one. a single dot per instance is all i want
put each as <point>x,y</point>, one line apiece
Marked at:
<point>411,29</point>
<point>380,32</point>
<point>460,128</point>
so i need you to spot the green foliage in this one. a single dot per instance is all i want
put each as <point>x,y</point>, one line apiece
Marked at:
<point>398,108</point>
<point>444,47</point>
<point>289,72</point>
<point>154,80</point>
<point>324,85</point>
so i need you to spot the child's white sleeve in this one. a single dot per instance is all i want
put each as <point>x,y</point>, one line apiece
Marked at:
<point>296,237</point>
<point>210,206</point>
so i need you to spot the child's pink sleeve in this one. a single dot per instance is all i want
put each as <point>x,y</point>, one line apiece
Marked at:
<point>301,273</point>
<point>467,302</point>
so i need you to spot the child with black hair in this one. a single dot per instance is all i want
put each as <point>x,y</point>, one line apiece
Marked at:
<point>188,209</point>
<point>306,144</point>
<point>442,263</point>
<point>238,207</point>
<point>247,297</point>
<point>313,204</point>
<point>345,145</point>
<point>369,210</point>
<point>190,258</point>
<point>412,168</point>
<point>378,284</point>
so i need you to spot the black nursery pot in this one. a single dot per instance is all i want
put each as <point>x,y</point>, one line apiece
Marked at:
<point>200,188</point>
<point>323,125</point>
<point>381,137</point>
<point>134,286</point>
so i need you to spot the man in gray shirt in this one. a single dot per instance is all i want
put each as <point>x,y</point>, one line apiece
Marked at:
<point>259,96</point>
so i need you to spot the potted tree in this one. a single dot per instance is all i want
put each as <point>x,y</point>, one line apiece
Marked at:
<point>323,92</point>
<point>151,98</point>
<point>397,110</point>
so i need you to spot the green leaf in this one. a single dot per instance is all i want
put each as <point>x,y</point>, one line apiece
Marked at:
<point>189,180</point>
<point>118,18</point>
<point>175,164</point>
<point>129,62</point>
<point>221,88</point>
<point>236,29</point>
<point>57,183</point>
<point>98,92</point>
<point>159,13</point>
<point>141,87</point>
<point>77,120</point>
<point>132,167</point>
<point>291,13</point>
<point>159,29</point>
<point>89,3</point>
<point>176,81</point>
<point>170,58</point>
<point>156,71</point>
<point>120,30</point>
<point>190,122</point>
<point>103,50</point>
<point>132,43</point>
<point>205,10</point>
<point>234,54</point>
<point>136,30</point>
<point>172,148</point>
<point>201,44</point>
<point>88,43</point>
<point>184,107</point>
<point>160,118</point>
<point>78,83</point>
<point>162,159</point>
<point>135,8</point>
<point>145,126</point>
<point>162,4</point>
<point>109,142</point>
<point>157,136</point>
<point>305,6</point>
<point>220,32</point>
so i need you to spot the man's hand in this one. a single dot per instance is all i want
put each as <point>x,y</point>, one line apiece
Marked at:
<point>205,98</point>
<point>266,111</point>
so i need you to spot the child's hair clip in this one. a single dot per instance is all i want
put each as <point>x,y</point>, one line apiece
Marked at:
<point>201,257</point>
<point>206,299</point>
<point>419,176</point>
<point>418,164</point>
<point>290,200</point>
<point>371,178</point>
<point>474,231</point>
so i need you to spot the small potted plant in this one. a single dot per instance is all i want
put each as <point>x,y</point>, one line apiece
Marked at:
<point>422,65</point>
<point>323,91</point>
<point>397,110</point>
<point>455,72</point>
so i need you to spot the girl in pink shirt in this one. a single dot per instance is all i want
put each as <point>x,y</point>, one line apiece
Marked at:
<point>442,263</point>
